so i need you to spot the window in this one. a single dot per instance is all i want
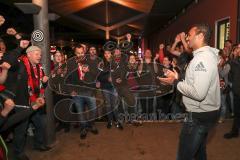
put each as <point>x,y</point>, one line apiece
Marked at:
<point>223,32</point>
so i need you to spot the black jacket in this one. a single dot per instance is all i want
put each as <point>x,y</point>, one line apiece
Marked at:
<point>84,87</point>
<point>104,76</point>
<point>22,92</point>
<point>22,95</point>
<point>12,58</point>
<point>234,75</point>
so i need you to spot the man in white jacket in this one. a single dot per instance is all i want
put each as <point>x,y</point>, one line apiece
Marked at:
<point>201,94</point>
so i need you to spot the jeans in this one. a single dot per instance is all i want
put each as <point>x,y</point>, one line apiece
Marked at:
<point>132,112</point>
<point>20,132</point>
<point>223,105</point>
<point>147,105</point>
<point>193,139</point>
<point>86,116</point>
<point>111,98</point>
<point>231,101</point>
<point>236,119</point>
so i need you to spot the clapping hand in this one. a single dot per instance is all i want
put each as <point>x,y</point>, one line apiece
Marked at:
<point>182,36</point>
<point>39,103</point>
<point>24,44</point>
<point>5,66</point>
<point>2,20</point>
<point>178,38</point>
<point>45,79</point>
<point>156,57</point>
<point>118,80</point>
<point>8,107</point>
<point>11,31</point>
<point>170,77</point>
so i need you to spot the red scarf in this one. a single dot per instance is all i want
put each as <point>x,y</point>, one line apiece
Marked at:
<point>2,87</point>
<point>35,75</point>
<point>117,59</point>
<point>80,61</point>
<point>80,72</point>
<point>161,56</point>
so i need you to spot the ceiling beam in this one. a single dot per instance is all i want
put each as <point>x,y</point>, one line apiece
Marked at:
<point>88,22</point>
<point>142,6</point>
<point>135,26</point>
<point>118,37</point>
<point>70,6</point>
<point>122,23</point>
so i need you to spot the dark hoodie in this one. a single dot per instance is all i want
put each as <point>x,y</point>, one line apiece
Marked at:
<point>234,75</point>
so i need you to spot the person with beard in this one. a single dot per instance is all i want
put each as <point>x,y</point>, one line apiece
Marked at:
<point>201,94</point>
<point>79,73</point>
<point>93,60</point>
<point>118,73</point>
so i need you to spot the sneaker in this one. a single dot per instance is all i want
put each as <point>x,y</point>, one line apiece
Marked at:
<point>30,131</point>
<point>67,129</point>
<point>42,148</point>
<point>119,125</point>
<point>137,123</point>
<point>94,130</point>
<point>22,157</point>
<point>221,120</point>
<point>109,125</point>
<point>83,133</point>
<point>59,128</point>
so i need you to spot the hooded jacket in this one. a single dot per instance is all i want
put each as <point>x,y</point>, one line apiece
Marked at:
<point>201,87</point>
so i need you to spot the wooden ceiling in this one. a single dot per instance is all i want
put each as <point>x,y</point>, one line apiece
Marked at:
<point>117,17</point>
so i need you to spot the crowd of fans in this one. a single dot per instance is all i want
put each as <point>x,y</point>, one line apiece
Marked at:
<point>123,81</point>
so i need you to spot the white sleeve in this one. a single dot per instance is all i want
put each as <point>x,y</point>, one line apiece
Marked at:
<point>202,74</point>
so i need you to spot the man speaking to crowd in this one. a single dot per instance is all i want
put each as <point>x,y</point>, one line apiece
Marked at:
<point>201,94</point>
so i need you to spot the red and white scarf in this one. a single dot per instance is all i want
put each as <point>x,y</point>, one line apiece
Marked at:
<point>2,87</point>
<point>35,75</point>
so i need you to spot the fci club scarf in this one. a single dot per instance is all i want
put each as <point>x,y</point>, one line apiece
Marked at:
<point>2,87</point>
<point>81,61</point>
<point>80,72</point>
<point>35,75</point>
